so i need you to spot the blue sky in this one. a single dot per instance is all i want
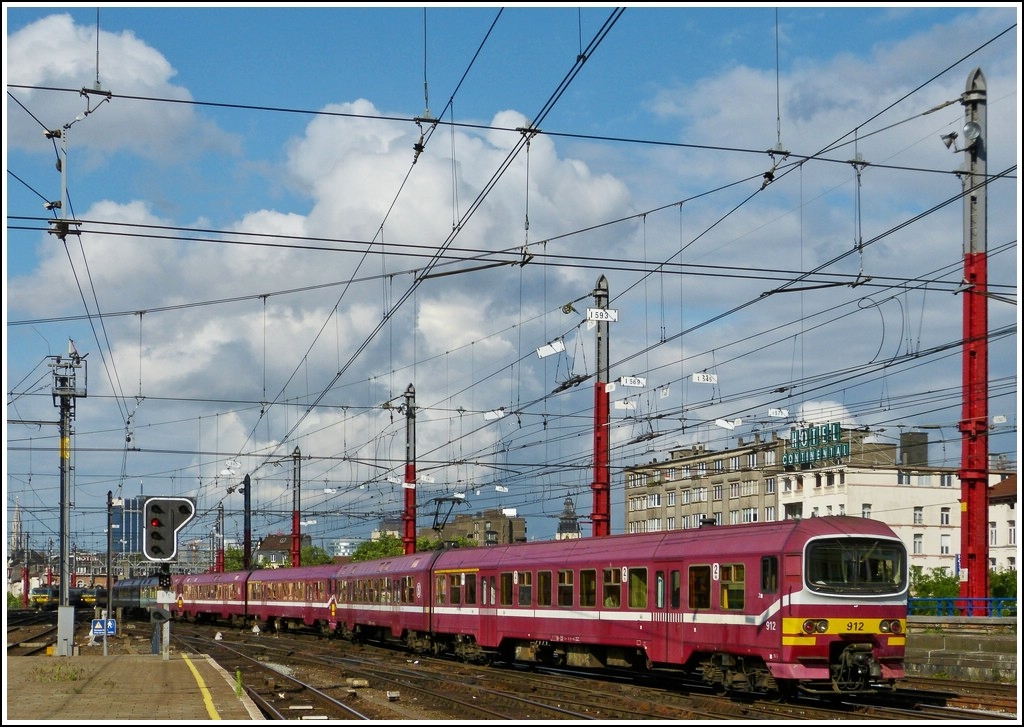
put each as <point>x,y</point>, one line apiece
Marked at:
<point>261,258</point>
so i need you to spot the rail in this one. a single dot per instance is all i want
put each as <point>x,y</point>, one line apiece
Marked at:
<point>961,606</point>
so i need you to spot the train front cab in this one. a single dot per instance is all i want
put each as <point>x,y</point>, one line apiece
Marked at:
<point>844,615</point>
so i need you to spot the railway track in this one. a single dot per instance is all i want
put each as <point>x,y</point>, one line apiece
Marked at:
<point>385,685</point>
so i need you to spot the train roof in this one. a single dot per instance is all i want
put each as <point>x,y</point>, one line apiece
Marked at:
<point>225,577</point>
<point>309,572</point>
<point>708,543</point>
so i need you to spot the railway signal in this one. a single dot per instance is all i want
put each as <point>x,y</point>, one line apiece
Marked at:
<point>165,516</point>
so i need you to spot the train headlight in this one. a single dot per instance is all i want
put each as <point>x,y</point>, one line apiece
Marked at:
<point>815,626</point>
<point>890,627</point>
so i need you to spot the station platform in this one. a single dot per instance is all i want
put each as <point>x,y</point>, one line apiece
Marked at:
<point>134,688</point>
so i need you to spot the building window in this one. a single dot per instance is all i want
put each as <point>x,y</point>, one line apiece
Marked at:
<point>769,514</point>
<point>842,508</point>
<point>944,516</point>
<point>918,516</point>
<point>672,498</point>
<point>918,543</point>
<point>1011,532</point>
<point>719,465</point>
<point>769,457</point>
<point>717,492</point>
<point>734,490</point>
<point>817,480</point>
<point>671,523</point>
<point>865,510</point>
<point>734,517</point>
<point>902,478</point>
<point>944,541</point>
<point>993,535</point>
<point>734,463</point>
<point>946,480</point>
<point>769,486</point>
<point>830,479</point>
<point>752,460</point>
<point>702,469</point>
<point>654,499</point>
<point>750,514</point>
<point>686,497</point>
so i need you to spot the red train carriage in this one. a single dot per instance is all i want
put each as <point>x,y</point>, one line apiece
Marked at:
<point>389,599</point>
<point>283,598</point>
<point>211,596</point>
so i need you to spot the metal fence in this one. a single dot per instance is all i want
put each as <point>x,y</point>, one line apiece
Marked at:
<point>960,606</point>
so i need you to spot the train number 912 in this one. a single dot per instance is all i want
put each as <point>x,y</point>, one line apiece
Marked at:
<point>854,625</point>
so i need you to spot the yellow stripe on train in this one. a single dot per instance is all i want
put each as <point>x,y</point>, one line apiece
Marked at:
<point>795,627</point>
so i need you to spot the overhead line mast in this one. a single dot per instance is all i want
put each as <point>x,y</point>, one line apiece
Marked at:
<point>973,425</point>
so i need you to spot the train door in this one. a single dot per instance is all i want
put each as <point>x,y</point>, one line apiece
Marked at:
<point>488,597</point>
<point>669,607</point>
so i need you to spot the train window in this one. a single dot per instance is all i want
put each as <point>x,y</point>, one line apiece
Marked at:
<point>525,588</point>
<point>494,593</point>
<point>565,587</point>
<point>505,581</point>
<point>769,574</point>
<point>408,589</point>
<point>731,584</point>
<point>588,588</point>
<point>440,590</point>
<point>659,589</point>
<point>470,590</point>
<point>677,588</point>
<point>700,586</point>
<point>455,588</point>
<point>612,587</point>
<point>544,588</point>
<point>856,565</point>
<point>638,588</point>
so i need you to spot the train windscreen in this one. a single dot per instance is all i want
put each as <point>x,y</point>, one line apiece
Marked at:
<point>856,565</point>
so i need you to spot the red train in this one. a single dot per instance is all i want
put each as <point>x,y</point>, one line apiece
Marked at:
<point>765,608</point>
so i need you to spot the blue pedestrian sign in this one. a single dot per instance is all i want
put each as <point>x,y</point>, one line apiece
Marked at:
<point>106,626</point>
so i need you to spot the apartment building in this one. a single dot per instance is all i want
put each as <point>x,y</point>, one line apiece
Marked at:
<point>818,471</point>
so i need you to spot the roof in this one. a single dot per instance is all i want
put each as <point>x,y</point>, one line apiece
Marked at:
<point>1004,490</point>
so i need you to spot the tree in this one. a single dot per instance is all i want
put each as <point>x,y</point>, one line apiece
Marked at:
<point>425,543</point>
<point>1002,583</point>
<point>385,546</point>
<point>233,559</point>
<point>938,583</point>
<point>315,555</point>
